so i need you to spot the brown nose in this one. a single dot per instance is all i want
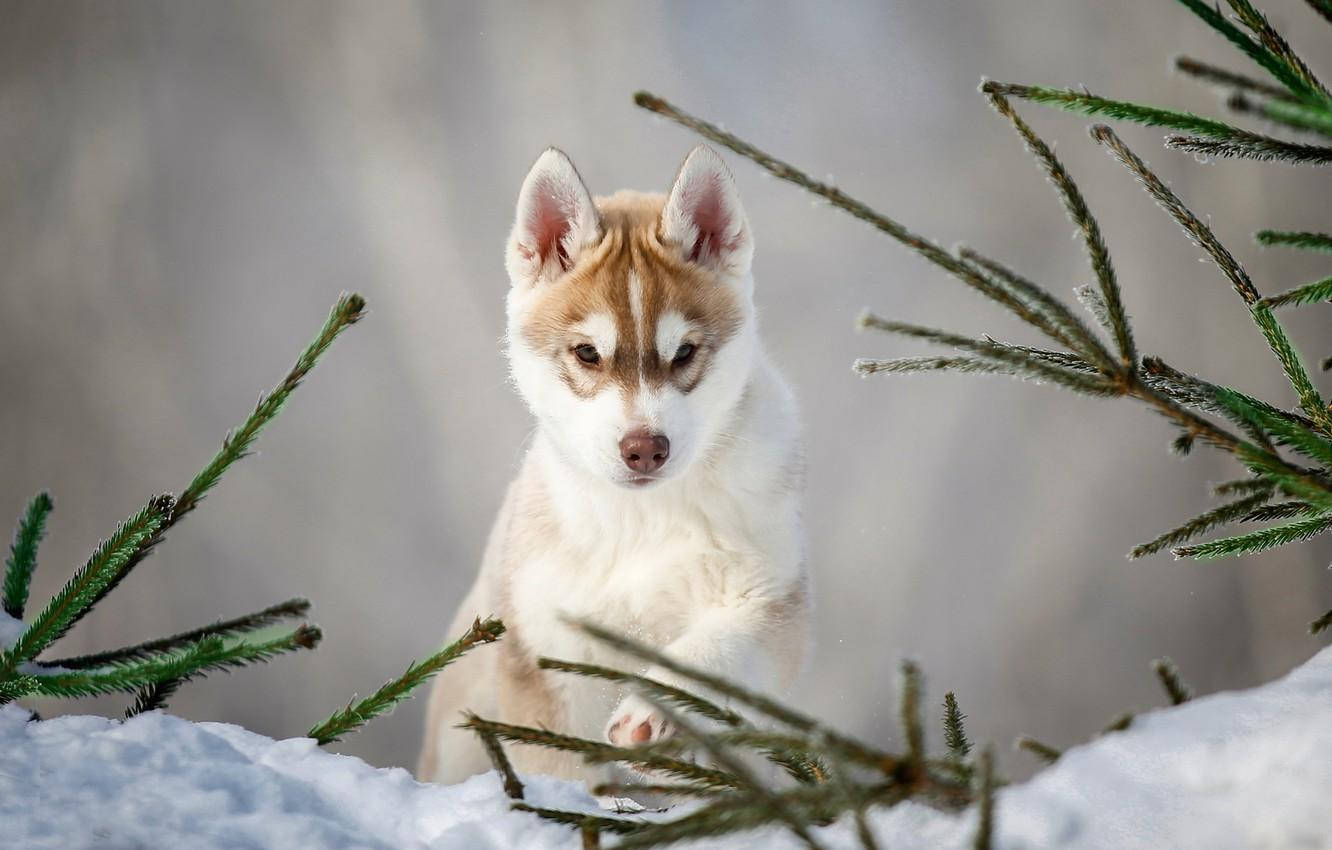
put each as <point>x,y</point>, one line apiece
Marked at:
<point>644,452</point>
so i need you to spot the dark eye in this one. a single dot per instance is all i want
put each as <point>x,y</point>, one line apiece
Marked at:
<point>684,353</point>
<point>587,354</point>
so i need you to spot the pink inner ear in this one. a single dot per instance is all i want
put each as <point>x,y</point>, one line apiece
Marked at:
<point>548,223</point>
<point>708,213</point>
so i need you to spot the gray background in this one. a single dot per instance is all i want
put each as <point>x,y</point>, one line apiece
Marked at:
<point>187,186</point>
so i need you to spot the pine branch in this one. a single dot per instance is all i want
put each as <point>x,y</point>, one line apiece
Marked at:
<point>670,694</point>
<point>1309,293</point>
<point>1241,485</point>
<point>1321,624</point>
<point>1061,359</point>
<point>1297,436</point>
<point>513,786</point>
<point>1119,724</point>
<point>866,366</point>
<point>1031,366</point>
<point>1255,50</point>
<point>662,757</point>
<point>1174,686</point>
<point>955,735</point>
<point>1278,47</point>
<point>357,714</point>
<point>672,789</point>
<point>1294,115</point>
<point>1222,77</point>
<point>1296,239</point>
<point>579,820</point>
<point>348,310</point>
<point>1076,207</point>
<point>1202,524</point>
<point>985,809</point>
<point>210,654</point>
<point>271,615</point>
<point>1085,103</point>
<point>908,712</point>
<point>1040,750</point>
<point>82,590</point>
<point>1322,7</point>
<point>153,697</point>
<point>1258,541</point>
<point>1253,146</point>
<point>22,560</point>
<point>1282,510</point>
<point>1202,236</point>
<point>1055,320</point>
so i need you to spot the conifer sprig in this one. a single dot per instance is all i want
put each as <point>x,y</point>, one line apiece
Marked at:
<point>955,735</point>
<point>1203,523</point>
<point>1039,749</point>
<point>1225,78</point>
<point>22,560</point>
<point>1254,49</point>
<point>82,590</point>
<point>1309,293</point>
<point>1171,682</point>
<point>291,609</point>
<point>1296,239</point>
<point>1296,116</point>
<point>357,714</point>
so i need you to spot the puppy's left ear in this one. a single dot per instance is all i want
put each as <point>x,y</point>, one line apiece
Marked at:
<point>704,217</point>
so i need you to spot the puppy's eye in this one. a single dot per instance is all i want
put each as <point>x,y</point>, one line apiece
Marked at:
<point>684,354</point>
<point>587,354</point>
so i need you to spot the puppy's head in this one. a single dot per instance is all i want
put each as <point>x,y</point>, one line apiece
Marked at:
<point>631,329</point>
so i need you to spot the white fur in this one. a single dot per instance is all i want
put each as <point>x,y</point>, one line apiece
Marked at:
<point>696,564</point>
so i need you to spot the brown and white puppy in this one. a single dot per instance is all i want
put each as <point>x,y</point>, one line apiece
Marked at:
<point>661,494</point>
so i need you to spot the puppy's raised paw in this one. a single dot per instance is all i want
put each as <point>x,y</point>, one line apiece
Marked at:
<point>635,723</point>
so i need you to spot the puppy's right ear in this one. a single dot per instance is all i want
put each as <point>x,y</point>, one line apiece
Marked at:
<point>555,220</point>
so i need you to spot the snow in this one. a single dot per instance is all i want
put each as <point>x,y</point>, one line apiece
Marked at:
<point>1233,770</point>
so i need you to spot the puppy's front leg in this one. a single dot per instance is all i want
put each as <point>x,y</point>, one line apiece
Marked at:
<point>742,642</point>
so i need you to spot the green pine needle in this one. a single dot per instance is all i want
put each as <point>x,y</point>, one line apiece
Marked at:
<point>1276,45</point>
<point>672,695</point>
<point>1296,239</point>
<point>290,609</point>
<point>1309,293</point>
<point>1284,430</point>
<point>1258,541</point>
<point>22,560</point>
<point>1091,105</point>
<point>1040,750</point>
<point>1076,207</point>
<point>82,590</point>
<point>209,654</point>
<point>1203,523</point>
<point>357,714</point>
<point>1256,51</point>
<point>1321,624</point>
<point>1174,686</point>
<point>955,735</point>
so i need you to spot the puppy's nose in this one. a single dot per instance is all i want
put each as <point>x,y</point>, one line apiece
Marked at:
<point>644,452</point>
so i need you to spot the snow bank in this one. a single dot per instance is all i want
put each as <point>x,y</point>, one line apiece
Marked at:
<point>1249,769</point>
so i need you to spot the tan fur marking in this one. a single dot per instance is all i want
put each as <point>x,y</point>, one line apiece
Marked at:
<point>599,283</point>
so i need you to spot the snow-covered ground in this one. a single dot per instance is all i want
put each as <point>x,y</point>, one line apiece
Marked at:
<point>1233,770</point>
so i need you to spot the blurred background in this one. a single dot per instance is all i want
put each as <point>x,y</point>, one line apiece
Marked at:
<point>185,188</point>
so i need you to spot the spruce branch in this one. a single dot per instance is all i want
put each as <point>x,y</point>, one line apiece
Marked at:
<point>1245,145</point>
<point>1309,293</point>
<point>955,735</point>
<point>1085,103</point>
<point>985,808</point>
<point>1119,723</point>
<point>1202,524</point>
<point>84,588</point>
<point>908,712</point>
<point>1076,207</point>
<point>22,560</point>
<point>1258,541</point>
<point>677,697</point>
<point>664,757</point>
<point>348,310</point>
<point>357,714</point>
<point>1296,239</point>
<point>1174,686</point>
<point>1051,316</point>
<point>1241,485</point>
<point>1033,367</point>
<point>1202,236</point>
<point>1277,45</point>
<point>1294,434</point>
<point>152,697</point>
<point>209,654</point>
<point>1296,116</point>
<point>513,786</point>
<point>291,609</point>
<point>1321,624</point>
<point>1229,79</point>
<point>581,821</point>
<point>1039,749</point>
<point>1254,49</point>
<point>1282,510</point>
<point>866,366</point>
<point>1322,7</point>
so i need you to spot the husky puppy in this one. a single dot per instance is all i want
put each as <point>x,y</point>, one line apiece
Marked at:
<point>661,493</point>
